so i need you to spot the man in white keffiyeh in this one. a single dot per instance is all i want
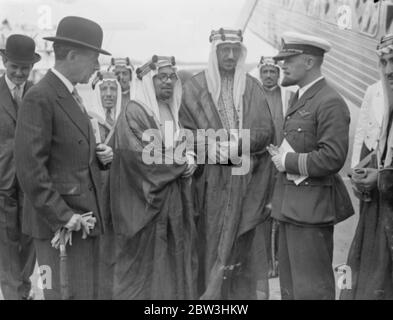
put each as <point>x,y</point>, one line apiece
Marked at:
<point>106,107</point>
<point>370,257</point>
<point>124,70</point>
<point>226,76</point>
<point>103,107</point>
<point>158,90</point>
<point>151,201</point>
<point>225,99</point>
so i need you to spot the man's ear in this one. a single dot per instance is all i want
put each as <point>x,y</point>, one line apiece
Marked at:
<point>310,62</point>
<point>4,60</point>
<point>71,55</point>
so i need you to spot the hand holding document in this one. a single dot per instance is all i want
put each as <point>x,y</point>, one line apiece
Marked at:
<point>297,179</point>
<point>283,149</point>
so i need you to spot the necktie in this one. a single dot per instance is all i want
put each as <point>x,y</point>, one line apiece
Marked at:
<point>79,100</point>
<point>295,99</point>
<point>17,94</point>
<point>109,118</point>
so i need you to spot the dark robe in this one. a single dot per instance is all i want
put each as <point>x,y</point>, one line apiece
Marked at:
<point>371,254</point>
<point>152,216</point>
<point>107,242</point>
<point>125,99</point>
<point>230,206</point>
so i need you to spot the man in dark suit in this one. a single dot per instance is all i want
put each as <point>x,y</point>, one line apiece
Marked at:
<point>309,195</point>
<point>58,162</point>
<point>17,255</point>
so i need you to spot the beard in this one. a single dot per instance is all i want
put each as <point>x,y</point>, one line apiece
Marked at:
<point>288,82</point>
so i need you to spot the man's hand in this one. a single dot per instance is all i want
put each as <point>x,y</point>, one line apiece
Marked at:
<point>273,150</point>
<point>88,223</point>
<point>74,224</point>
<point>277,157</point>
<point>191,166</point>
<point>104,153</point>
<point>189,171</point>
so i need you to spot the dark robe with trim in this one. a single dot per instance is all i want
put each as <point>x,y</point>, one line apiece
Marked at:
<point>370,257</point>
<point>152,216</point>
<point>230,206</point>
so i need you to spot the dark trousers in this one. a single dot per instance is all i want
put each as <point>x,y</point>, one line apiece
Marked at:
<point>306,255</point>
<point>17,255</point>
<point>82,265</point>
<point>107,245</point>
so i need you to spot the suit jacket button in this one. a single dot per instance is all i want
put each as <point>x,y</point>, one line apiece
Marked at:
<point>299,130</point>
<point>288,117</point>
<point>91,188</point>
<point>80,141</point>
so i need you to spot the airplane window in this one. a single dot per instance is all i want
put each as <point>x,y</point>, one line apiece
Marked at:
<point>312,7</point>
<point>364,14</point>
<point>389,18</point>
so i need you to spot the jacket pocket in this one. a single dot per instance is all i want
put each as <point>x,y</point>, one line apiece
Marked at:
<point>310,204</point>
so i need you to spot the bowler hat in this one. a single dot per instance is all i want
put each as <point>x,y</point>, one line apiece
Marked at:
<point>20,49</point>
<point>79,32</point>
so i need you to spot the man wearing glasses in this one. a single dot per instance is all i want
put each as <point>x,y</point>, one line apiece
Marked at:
<point>151,198</point>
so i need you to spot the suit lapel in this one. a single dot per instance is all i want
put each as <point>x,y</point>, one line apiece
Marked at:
<point>28,85</point>
<point>69,105</point>
<point>306,96</point>
<point>6,99</point>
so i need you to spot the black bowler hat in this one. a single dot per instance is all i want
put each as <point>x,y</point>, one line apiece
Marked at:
<point>80,32</point>
<point>20,49</point>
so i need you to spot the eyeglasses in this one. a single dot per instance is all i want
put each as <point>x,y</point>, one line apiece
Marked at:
<point>163,77</point>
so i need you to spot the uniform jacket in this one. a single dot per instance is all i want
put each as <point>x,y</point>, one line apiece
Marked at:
<point>8,115</point>
<point>317,128</point>
<point>369,124</point>
<point>55,159</point>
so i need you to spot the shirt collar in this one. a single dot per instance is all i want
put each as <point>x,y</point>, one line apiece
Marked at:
<point>12,85</point>
<point>70,87</point>
<point>305,88</point>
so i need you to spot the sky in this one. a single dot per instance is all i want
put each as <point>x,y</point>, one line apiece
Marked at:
<point>142,28</point>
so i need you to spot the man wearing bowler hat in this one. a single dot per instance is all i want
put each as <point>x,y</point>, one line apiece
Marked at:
<point>309,196</point>
<point>17,256</point>
<point>58,161</point>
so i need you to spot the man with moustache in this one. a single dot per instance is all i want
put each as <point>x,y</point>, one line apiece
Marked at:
<point>123,69</point>
<point>151,198</point>
<point>103,112</point>
<point>17,255</point>
<point>58,161</point>
<point>224,98</point>
<point>276,96</point>
<point>309,196</point>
